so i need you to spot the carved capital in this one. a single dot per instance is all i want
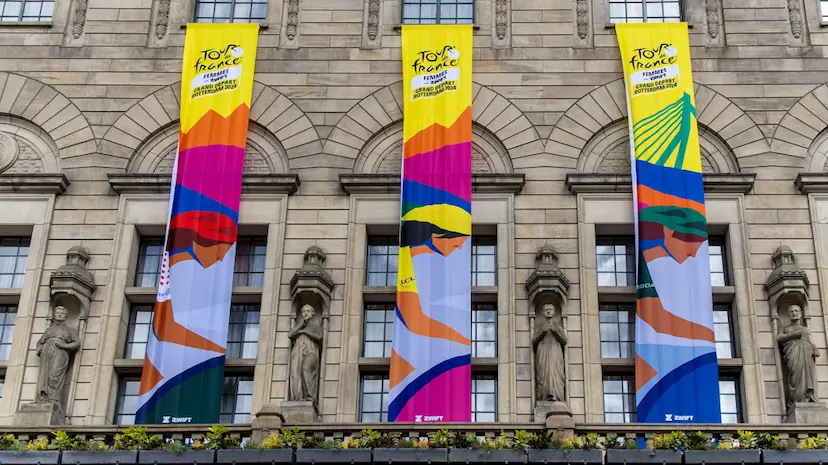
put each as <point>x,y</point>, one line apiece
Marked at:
<point>547,283</point>
<point>74,280</point>
<point>787,283</point>
<point>312,284</point>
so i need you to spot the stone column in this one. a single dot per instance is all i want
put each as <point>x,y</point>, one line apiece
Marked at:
<point>548,287</point>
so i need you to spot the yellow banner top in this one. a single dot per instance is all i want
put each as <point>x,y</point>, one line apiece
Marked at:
<point>656,58</point>
<point>219,60</point>
<point>437,70</point>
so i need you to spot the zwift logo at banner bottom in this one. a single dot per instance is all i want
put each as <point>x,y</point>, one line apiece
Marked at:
<point>427,418</point>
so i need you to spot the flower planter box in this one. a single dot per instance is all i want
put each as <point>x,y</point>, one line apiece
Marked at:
<point>405,456</point>
<point>654,457</point>
<point>350,456</point>
<point>189,457</point>
<point>253,456</point>
<point>800,457</point>
<point>29,457</point>
<point>558,456</point>
<point>722,457</point>
<point>486,456</point>
<point>102,457</point>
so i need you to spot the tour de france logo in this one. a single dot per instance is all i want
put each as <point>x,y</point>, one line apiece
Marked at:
<point>435,72</point>
<point>217,70</point>
<point>654,70</point>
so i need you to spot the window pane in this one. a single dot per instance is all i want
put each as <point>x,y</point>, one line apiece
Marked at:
<point>376,333</point>
<point>7,319</point>
<point>438,11</point>
<point>636,11</point>
<point>243,331</point>
<point>823,7</point>
<point>237,11</point>
<point>484,330</point>
<point>617,330</point>
<point>484,398</point>
<point>14,253</point>
<point>250,261</point>
<point>140,321</point>
<point>373,395</point>
<point>723,331</point>
<point>619,398</point>
<point>730,399</point>
<point>615,260</point>
<point>127,401</point>
<point>237,399</point>
<point>382,261</point>
<point>148,269</point>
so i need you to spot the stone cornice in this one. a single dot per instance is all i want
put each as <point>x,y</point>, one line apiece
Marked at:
<point>812,182</point>
<point>251,183</point>
<point>390,183</point>
<point>577,183</point>
<point>35,183</point>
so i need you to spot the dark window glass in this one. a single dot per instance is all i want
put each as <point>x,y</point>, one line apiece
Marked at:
<point>438,11</point>
<point>723,331</point>
<point>250,261</point>
<point>8,316</point>
<point>243,332</point>
<point>127,402</point>
<point>619,399</point>
<point>236,399</point>
<point>26,10</point>
<point>615,260</point>
<point>14,252</point>
<point>484,261</point>
<point>382,261</point>
<point>373,398</point>
<point>379,324</point>
<point>638,11</point>
<point>140,322</point>
<point>231,11</point>
<point>484,398</point>
<point>150,252</point>
<point>718,260</point>
<point>730,399</point>
<point>484,330</point>
<point>617,327</point>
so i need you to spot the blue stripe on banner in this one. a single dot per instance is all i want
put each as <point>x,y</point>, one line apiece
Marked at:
<point>188,200</point>
<point>408,392</point>
<point>679,400</point>
<point>173,383</point>
<point>427,195</point>
<point>680,183</point>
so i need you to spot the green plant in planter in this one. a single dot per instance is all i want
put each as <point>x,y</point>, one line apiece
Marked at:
<point>272,441</point>
<point>217,437</point>
<point>770,442</point>
<point>137,438</point>
<point>812,443</point>
<point>698,441</point>
<point>615,441</point>
<point>174,446</point>
<point>370,439</point>
<point>94,445</point>
<point>39,444</point>
<point>674,440</point>
<point>62,441</point>
<point>441,439</point>
<point>7,441</point>
<point>745,440</point>
<point>500,442</point>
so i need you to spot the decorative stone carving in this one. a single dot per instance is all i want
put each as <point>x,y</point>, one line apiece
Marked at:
<point>310,289</point>
<point>80,18</point>
<point>8,151</point>
<point>501,18</point>
<point>373,19</point>
<point>162,18</point>
<point>292,19</point>
<point>787,282</point>
<point>548,290</point>
<point>799,354</point>
<point>711,9</point>
<point>582,18</point>
<point>306,339</point>
<point>795,15</point>
<point>548,342</point>
<point>55,349</point>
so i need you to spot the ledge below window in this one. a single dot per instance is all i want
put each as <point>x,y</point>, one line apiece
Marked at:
<point>812,182</point>
<point>390,183</point>
<point>733,183</point>
<point>34,183</point>
<point>160,183</point>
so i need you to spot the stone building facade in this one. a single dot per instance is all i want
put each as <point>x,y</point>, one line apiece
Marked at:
<point>89,103</point>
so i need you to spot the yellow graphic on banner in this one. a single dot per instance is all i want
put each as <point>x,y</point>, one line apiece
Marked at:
<point>656,62</point>
<point>431,68</point>
<point>217,68</point>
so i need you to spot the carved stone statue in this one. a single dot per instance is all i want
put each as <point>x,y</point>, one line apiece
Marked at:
<point>55,349</point>
<point>548,342</point>
<point>304,356</point>
<point>799,353</point>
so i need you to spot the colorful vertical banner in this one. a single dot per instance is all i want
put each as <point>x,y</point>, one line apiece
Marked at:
<point>184,366</point>
<point>430,379</point>
<point>676,372</point>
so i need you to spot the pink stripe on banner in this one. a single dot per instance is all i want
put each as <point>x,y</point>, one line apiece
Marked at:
<point>443,169</point>
<point>214,171</point>
<point>435,399</point>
